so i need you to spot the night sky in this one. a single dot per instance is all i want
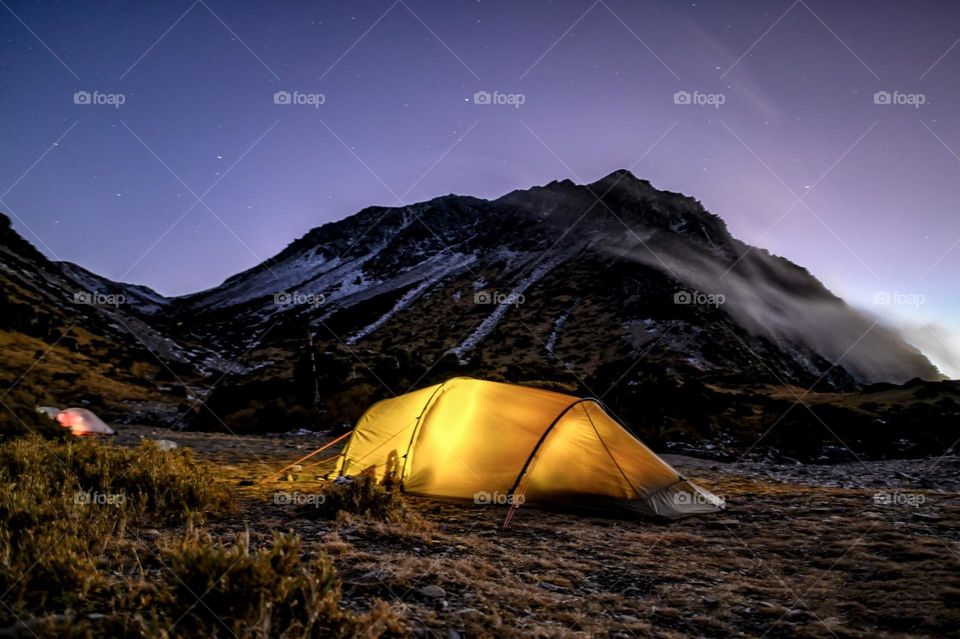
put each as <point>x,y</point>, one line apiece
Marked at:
<point>782,135</point>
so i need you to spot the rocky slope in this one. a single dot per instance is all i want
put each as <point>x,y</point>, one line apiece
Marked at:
<point>613,289</point>
<point>71,337</point>
<point>570,276</point>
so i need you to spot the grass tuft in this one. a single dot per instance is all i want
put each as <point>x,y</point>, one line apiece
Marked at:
<point>364,498</point>
<point>74,561</point>
<point>268,592</point>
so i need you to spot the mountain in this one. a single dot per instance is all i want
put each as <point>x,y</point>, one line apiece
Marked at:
<point>589,274</point>
<point>71,337</point>
<point>613,289</point>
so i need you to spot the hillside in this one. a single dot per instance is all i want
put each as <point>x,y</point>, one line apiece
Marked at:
<point>612,289</point>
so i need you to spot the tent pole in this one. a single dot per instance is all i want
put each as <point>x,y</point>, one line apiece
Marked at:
<point>511,496</point>
<point>416,427</point>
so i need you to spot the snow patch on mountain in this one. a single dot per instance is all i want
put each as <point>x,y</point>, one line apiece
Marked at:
<point>557,328</point>
<point>456,262</point>
<point>139,298</point>
<point>486,327</point>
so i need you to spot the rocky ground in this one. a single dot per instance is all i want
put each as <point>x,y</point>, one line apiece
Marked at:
<point>845,550</point>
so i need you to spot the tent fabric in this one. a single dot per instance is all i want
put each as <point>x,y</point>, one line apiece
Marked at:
<point>81,421</point>
<point>49,411</point>
<point>493,443</point>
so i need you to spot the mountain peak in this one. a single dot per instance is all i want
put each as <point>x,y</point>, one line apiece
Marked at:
<point>624,174</point>
<point>622,178</point>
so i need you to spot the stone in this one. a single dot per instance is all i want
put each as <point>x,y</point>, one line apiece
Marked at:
<point>433,592</point>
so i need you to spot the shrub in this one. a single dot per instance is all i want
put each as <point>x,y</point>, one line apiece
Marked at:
<point>72,569</point>
<point>266,593</point>
<point>363,497</point>
<point>165,485</point>
<point>18,417</point>
<point>55,532</point>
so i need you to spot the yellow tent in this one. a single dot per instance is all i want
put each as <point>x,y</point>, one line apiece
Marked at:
<point>505,444</point>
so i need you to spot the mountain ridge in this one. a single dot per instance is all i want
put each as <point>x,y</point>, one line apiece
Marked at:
<point>626,218</point>
<point>613,289</point>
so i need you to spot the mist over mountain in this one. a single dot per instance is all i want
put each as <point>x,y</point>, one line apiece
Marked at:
<point>613,289</point>
<point>590,271</point>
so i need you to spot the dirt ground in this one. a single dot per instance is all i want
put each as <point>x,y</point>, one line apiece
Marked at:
<point>813,551</point>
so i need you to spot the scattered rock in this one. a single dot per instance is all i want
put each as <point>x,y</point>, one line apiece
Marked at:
<point>165,444</point>
<point>151,533</point>
<point>377,575</point>
<point>794,614</point>
<point>711,601</point>
<point>546,585</point>
<point>926,517</point>
<point>433,592</point>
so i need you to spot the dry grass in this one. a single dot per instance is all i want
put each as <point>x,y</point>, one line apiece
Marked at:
<point>785,560</point>
<point>55,375</point>
<point>364,499</point>
<point>101,540</point>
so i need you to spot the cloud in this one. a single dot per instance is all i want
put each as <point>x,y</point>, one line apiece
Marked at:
<point>772,297</point>
<point>939,343</point>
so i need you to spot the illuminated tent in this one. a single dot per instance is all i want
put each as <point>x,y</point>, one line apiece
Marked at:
<point>499,443</point>
<point>81,421</point>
